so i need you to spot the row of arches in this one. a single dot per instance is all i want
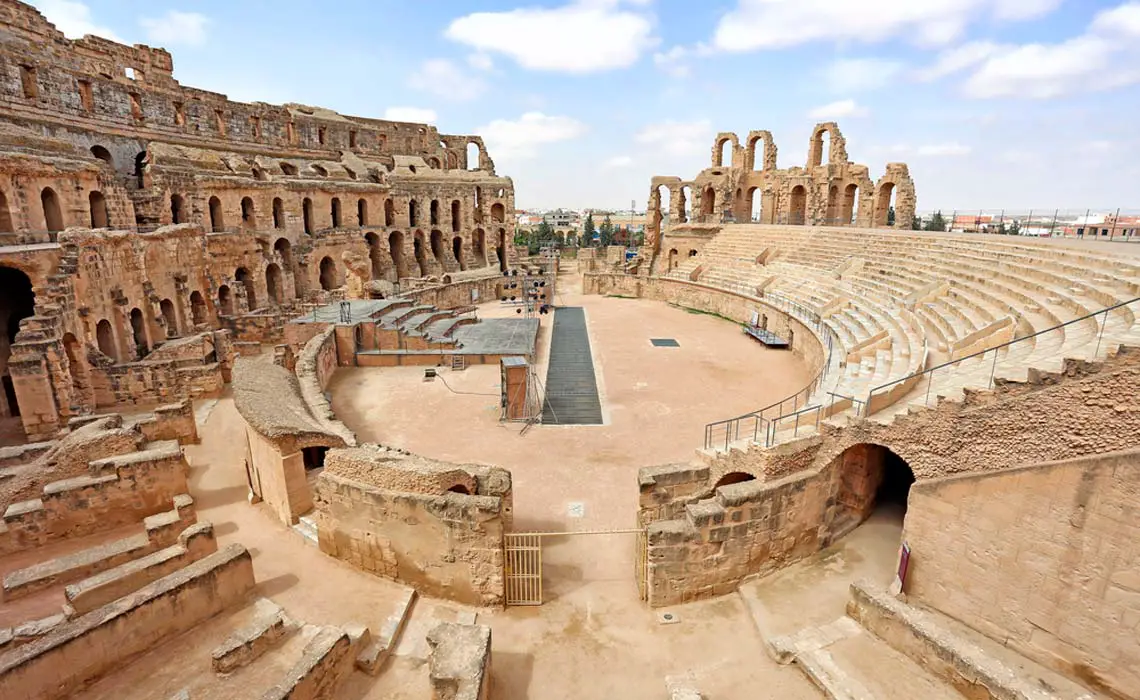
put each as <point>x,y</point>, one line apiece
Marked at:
<point>180,214</point>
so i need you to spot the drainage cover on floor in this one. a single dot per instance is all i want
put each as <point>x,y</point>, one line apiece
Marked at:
<point>664,343</point>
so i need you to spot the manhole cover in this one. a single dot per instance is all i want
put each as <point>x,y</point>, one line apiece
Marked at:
<point>667,617</point>
<point>664,343</point>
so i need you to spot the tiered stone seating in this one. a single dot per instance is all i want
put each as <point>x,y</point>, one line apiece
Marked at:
<point>966,294</point>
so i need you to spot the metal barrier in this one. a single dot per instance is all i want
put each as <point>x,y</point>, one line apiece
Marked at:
<point>996,350</point>
<point>761,422</point>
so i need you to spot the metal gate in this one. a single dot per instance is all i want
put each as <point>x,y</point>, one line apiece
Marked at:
<point>522,563</point>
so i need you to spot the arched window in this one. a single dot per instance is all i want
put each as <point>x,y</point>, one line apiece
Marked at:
<point>334,210</point>
<point>396,252</point>
<point>198,310</point>
<point>478,247</point>
<point>49,202</point>
<point>413,213</point>
<point>246,280</point>
<point>421,255</point>
<point>248,220</point>
<point>225,301</point>
<point>497,212</point>
<point>169,317</point>
<point>105,338</point>
<point>389,213</point>
<point>755,204</point>
<point>307,214</point>
<point>328,274</point>
<point>177,209</point>
<point>708,202</point>
<point>361,212</point>
<point>285,250</point>
<point>434,212</point>
<point>288,168</point>
<point>273,282</point>
<point>457,251</point>
<point>437,249</point>
<point>884,205</point>
<point>98,203</point>
<point>103,154</point>
<point>455,218</point>
<point>217,221</point>
<point>797,209</point>
<point>140,168</point>
<point>373,242</point>
<point>472,156</point>
<point>278,213</point>
<point>847,210</point>
<point>138,332</point>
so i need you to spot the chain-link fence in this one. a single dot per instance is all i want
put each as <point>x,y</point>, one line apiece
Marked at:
<point>1117,224</point>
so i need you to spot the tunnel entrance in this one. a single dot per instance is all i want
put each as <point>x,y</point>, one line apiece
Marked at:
<point>17,302</point>
<point>870,480</point>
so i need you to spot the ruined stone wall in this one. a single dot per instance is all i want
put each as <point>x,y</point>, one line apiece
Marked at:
<point>447,544</point>
<point>1044,559</point>
<point>277,476</point>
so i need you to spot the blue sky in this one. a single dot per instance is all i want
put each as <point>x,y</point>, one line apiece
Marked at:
<point>993,103</point>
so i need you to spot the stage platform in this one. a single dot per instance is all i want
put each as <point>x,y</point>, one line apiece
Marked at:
<point>767,337</point>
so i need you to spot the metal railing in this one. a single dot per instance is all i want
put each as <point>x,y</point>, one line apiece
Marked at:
<point>760,422</point>
<point>996,350</point>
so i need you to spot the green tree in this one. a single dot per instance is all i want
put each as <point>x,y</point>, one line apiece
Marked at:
<point>545,235</point>
<point>936,223</point>
<point>606,232</point>
<point>589,230</point>
<point>1014,229</point>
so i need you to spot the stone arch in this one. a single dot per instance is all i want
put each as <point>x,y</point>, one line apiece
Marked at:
<point>767,158</point>
<point>328,274</point>
<point>307,215</point>
<point>413,212</point>
<point>273,283</point>
<point>98,206</point>
<point>472,150</point>
<point>225,301</point>
<point>433,163</point>
<point>284,249</point>
<point>479,247</point>
<point>708,202</point>
<point>723,139</point>
<point>374,257</point>
<point>53,215</point>
<point>672,258</point>
<point>103,154</point>
<point>867,476</point>
<point>140,168</point>
<point>178,214</point>
<point>457,251</point>
<point>138,332</point>
<point>797,206</point>
<point>847,209</point>
<point>733,478</point>
<point>396,252</point>
<point>456,219</point>
<point>437,250</point>
<point>5,215</point>
<point>105,339</point>
<point>884,201</point>
<point>242,276</point>
<point>248,217</point>
<point>831,213</point>
<point>217,220</point>
<point>498,213</point>
<point>501,249</point>
<point>755,204</point>
<point>199,313</point>
<point>17,302</point>
<point>420,253</point>
<point>684,204</point>
<point>334,212</point>
<point>836,145</point>
<point>433,213</point>
<point>278,213</point>
<point>169,317</point>
<point>362,212</point>
<point>389,213</point>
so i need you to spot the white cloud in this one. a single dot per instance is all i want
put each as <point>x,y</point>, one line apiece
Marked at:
<point>417,115</point>
<point>957,59</point>
<point>584,36</point>
<point>521,138</point>
<point>74,19</point>
<point>675,61</point>
<point>838,110</point>
<point>949,149</point>
<point>445,79</point>
<point>480,61</point>
<point>860,74</point>
<point>618,162</point>
<point>677,138</point>
<point>773,24</point>
<point>176,28</point>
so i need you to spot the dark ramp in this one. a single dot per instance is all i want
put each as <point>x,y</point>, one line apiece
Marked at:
<point>571,390</point>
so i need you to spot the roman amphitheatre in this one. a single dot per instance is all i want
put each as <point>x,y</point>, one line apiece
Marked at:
<point>286,414</point>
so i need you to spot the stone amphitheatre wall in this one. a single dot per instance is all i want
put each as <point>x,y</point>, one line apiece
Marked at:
<point>714,538</point>
<point>1045,558</point>
<point>435,526</point>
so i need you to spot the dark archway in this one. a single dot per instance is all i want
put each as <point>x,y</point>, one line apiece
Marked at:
<point>278,213</point>
<point>103,154</point>
<point>479,248</point>
<point>433,212</point>
<point>733,478</point>
<point>831,215</point>
<point>138,332</point>
<point>421,255</point>
<point>248,218</point>
<point>457,251</point>
<point>17,302</point>
<point>389,213</point>
<point>273,282</point>
<point>460,488</point>
<point>847,210</point>
<point>178,209</point>
<point>501,250</point>
<point>396,252</point>
<point>374,258</point>
<point>797,209</point>
<point>199,313</point>
<point>53,215</point>
<point>98,206</point>
<point>217,218</point>
<point>413,213</point>
<point>870,478</point>
<point>455,215</point>
<point>884,203</point>
<point>225,301</point>
<point>285,250</point>
<point>437,250</point>
<point>246,280</point>
<point>105,339</point>
<point>169,316</point>
<point>307,214</point>
<point>334,212</point>
<point>498,213</point>
<point>313,457</point>
<point>5,215</point>
<point>361,212</point>
<point>328,274</point>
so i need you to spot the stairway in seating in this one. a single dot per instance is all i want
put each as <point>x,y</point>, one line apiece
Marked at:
<point>571,387</point>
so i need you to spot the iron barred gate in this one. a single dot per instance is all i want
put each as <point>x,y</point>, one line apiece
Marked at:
<point>522,563</point>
